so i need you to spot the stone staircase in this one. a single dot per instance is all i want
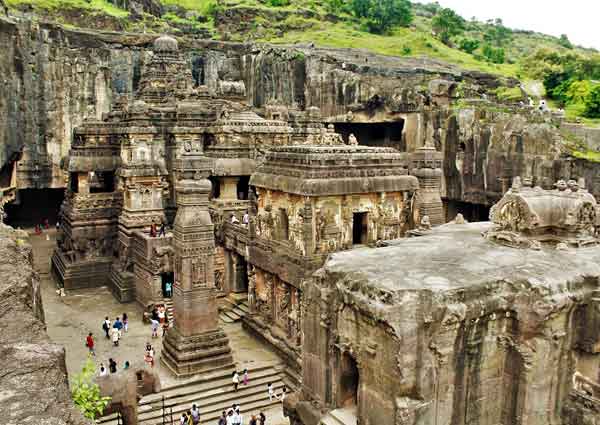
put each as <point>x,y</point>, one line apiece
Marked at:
<point>231,312</point>
<point>212,393</point>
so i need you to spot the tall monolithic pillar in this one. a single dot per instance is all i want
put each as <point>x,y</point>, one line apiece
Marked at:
<point>426,165</point>
<point>196,343</point>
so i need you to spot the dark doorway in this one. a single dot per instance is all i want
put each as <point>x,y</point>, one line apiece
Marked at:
<point>243,186</point>
<point>167,280</point>
<point>241,275</point>
<point>360,228</point>
<point>34,206</point>
<point>102,181</point>
<point>471,212</point>
<point>388,134</point>
<point>349,381</point>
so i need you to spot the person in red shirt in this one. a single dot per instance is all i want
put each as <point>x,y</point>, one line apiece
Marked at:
<point>89,342</point>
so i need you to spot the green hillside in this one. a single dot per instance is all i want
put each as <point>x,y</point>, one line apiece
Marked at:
<point>569,73</point>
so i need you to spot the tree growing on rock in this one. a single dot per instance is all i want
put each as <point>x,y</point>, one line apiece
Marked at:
<point>86,393</point>
<point>447,24</point>
<point>592,103</point>
<point>379,16</point>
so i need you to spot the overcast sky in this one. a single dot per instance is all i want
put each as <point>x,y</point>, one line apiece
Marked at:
<point>579,19</point>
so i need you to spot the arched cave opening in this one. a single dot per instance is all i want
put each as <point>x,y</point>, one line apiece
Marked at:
<point>34,206</point>
<point>381,134</point>
<point>349,381</point>
<point>470,211</point>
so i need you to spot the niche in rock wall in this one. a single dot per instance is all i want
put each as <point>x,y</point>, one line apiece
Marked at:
<point>198,70</point>
<point>471,212</point>
<point>35,206</point>
<point>382,134</point>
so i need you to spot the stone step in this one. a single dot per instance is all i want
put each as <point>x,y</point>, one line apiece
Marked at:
<point>221,380</point>
<point>239,312</point>
<point>244,307</point>
<point>212,404</point>
<point>232,315</point>
<point>225,319</point>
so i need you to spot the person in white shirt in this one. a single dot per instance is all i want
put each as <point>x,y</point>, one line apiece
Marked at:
<point>283,394</point>
<point>103,370</point>
<point>246,219</point>
<point>234,219</point>
<point>236,380</point>
<point>230,418</point>
<point>270,391</point>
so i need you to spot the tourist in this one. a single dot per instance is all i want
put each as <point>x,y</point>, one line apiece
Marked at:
<point>89,343</point>
<point>252,420</point>
<point>154,315</point>
<point>154,325</point>
<point>229,418</point>
<point>151,356</point>
<point>165,326</point>
<point>118,325</point>
<point>103,371</point>
<point>153,230</point>
<point>126,364</point>
<point>112,365</point>
<point>115,336</point>
<point>245,379</point>
<point>162,230</point>
<point>238,416</point>
<point>262,418</point>
<point>223,418</point>
<point>183,420</point>
<point>125,322</point>
<point>161,314</point>
<point>283,394</point>
<point>106,327</point>
<point>46,223</point>
<point>195,414</point>
<point>234,219</point>
<point>168,289</point>
<point>246,219</point>
<point>148,359</point>
<point>236,380</point>
<point>57,225</point>
<point>270,391</point>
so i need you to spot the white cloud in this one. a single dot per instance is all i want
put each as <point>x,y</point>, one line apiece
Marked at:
<point>578,19</point>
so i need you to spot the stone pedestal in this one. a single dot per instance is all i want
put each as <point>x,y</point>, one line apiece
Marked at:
<point>196,343</point>
<point>427,167</point>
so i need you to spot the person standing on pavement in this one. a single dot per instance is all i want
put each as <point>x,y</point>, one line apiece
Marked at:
<point>89,342</point>
<point>125,322</point>
<point>112,365</point>
<point>115,336</point>
<point>154,325</point>
<point>106,327</point>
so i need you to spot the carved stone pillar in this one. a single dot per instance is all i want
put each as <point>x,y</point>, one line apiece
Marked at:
<point>196,343</point>
<point>427,167</point>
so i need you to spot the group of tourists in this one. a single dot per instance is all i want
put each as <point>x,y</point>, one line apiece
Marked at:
<point>112,367</point>
<point>159,319</point>
<point>115,332</point>
<point>162,231</point>
<point>232,416</point>
<point>245,219</point>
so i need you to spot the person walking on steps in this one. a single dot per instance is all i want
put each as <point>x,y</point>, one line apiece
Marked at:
<point>262,419</point>
<point>270,391</point>
<point>283,394</point>
<point>89,343</point>
<point>236,380</point>
<point>245,378</point>
<point>223,418</point>
<point>195,414</point>
<point>253,420</point>
<point>229,420</point>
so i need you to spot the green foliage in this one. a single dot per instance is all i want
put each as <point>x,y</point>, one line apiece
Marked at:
<point>278,3</point>
<point>592,103</point>
<point>496,33</point>
<point>86,394</point>
<point>509,94</point>
<point>379,16</point>
<point>337,7</point>
<point>447,24</point>
<point>492,54</point>
<point>565,42</point>
<point>469,45</point>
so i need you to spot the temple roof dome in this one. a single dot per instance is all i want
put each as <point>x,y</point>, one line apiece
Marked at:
<point>165,44</point>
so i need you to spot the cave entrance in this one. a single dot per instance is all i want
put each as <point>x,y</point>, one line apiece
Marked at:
<point>349,381</point>
<point>35,206</point>
<point>382,134</point>
<point>360,228</point>
<point>471,212</point>
<point>167,279</point>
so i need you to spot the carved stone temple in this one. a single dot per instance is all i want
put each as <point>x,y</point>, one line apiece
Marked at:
<point>382,314</point>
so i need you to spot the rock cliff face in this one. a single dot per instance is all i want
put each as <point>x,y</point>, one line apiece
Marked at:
<point>34,378</point>
<point>54,78</point>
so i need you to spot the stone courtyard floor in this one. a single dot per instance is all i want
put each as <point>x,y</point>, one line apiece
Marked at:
<point>70,318</point>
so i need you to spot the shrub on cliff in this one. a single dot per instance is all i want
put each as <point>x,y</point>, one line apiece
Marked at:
<point>86,393</point>
<point>379,16</point>
<point>592,103</point>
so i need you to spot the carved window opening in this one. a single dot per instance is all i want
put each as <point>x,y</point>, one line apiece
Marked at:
<point>381,134</point>
<point>167,282</point>
<point>360,226</point>
<point>349,381</point>
<point>284,225</point>
<point>102,181</point>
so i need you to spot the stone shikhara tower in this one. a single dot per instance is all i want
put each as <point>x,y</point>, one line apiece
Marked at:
<point>196,343</point>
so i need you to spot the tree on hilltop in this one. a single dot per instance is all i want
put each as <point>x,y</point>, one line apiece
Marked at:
<point>379,16</point>
<point>447,24</point>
